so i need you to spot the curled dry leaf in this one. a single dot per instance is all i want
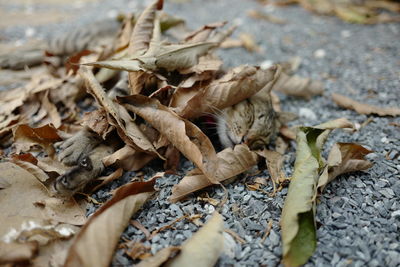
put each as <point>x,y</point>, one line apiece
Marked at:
<point>109,178</point>
<point>231,162</point>
<point>361,108</point>
<point>274,162</point>
<point>51,109</point>
<point>169,57</point>
<point>298,86</point>
<point>117,115</point>
<point>335,124</point>
<point>235,86</point>
<point>204,247</point>
<point>202,34</point>
<point>143,30</point>
<point>128,158</point>
<point>139,42</point>
<point>16,210</point>
<point>44,136</point>
<point>183,134</point>
<point>95,243</point>
<point>344,158</point>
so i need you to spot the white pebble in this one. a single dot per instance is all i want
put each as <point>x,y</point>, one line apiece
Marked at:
<point>345,33</point>
<point>238,21</point>
<point>396,213</point>
<point>29,32</point>
<point>384,140</point>
<point>320,53</point>
<point>112,13</point>
<point>357,126</point>
<point>307,113</point>
<point>209,208</point>
<point>266,64</point>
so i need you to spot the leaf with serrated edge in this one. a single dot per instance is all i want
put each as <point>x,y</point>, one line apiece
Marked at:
<point>95,243</point>
<point>204,247</point>
<point>231,162</point>
<point>183,134</point>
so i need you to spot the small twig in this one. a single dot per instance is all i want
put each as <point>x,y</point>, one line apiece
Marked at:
<point>267,231</point>
<point>140,226</point>
<point>235,235</point>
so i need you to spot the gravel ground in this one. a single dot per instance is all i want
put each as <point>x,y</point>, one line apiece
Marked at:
<point>358,214</point>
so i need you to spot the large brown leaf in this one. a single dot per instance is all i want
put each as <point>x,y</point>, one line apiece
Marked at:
<point>183,134</point>
<point>95,243</point>
<point>35,205</point>
<point>117,115</point>
<point>361,108</point>
<point>231,162</point>
<point>235,86</point>
<point>44,136</point>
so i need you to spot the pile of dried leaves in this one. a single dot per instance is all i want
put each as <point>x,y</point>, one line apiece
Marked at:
<point>353,11</point>
<point>170,85</point>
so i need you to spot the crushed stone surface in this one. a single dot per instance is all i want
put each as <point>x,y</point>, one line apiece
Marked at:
<point>358,215</point>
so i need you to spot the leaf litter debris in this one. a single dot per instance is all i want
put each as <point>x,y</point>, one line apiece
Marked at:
<point>62,129</point>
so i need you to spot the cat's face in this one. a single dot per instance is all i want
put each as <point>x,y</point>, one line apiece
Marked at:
<point>252,121</point>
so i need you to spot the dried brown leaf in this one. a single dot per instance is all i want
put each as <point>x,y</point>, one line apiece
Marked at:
<point>14,253</point>
<point>117,115</point>
<point>159,258</point>
<point>249,42</point>
<point>231,162</point>
<point>204,247</point>
<point>235,86</point>
<point>51,110</point>
<point>274,162</point>
<point>109,178</point>
<point>298,86</point>
<point>32,168</point>
<point>202,34</point>
<point>44,136</point>
<point>344,158</point>
<point>95,243</point>
<point>128,158</point>
<point>143,30</point>
<point>361,108</point>
<point>175,56</point>
<point>16,209</point>
<point>183,134</point>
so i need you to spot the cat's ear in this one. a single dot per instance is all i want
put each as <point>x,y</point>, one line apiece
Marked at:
<point>285,117</point>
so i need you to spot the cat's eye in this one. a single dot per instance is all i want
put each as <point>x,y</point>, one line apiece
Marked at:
<point>261,116</point>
